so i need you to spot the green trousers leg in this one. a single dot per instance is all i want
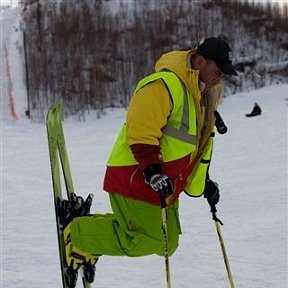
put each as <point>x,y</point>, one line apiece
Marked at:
<point>134,229</point>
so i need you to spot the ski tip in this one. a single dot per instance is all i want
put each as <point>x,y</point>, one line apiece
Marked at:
<point>55,110</point>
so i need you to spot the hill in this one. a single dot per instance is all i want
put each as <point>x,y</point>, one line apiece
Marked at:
<point>92,53</point>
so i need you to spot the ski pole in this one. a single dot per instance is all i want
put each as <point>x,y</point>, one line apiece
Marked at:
<point>165,238</point>
<point>218,224</point>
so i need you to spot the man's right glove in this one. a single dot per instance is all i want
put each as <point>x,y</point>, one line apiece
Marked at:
<point>159,182</point>
<point>212,193</point>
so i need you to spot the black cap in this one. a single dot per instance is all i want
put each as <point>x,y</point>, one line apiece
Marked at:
<point>218,50</point>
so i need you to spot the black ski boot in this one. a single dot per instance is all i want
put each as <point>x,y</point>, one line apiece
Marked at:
<point>72,208</point>
<point>67,211</point>
<point>89,270</point>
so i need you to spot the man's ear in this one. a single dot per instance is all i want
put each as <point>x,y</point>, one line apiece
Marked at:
<point>198,62</point>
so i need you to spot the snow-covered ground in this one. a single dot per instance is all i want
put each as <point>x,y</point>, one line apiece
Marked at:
<point>250,165</point>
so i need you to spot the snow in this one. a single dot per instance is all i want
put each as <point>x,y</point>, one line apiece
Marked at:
<point>249,164</point>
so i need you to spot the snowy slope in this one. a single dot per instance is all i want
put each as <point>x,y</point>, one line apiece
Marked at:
<point>250,165</point>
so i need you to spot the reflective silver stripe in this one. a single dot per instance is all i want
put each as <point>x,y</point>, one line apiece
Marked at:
<point>181,133</point>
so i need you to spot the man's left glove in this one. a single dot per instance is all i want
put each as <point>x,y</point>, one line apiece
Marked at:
<point>212,193</point>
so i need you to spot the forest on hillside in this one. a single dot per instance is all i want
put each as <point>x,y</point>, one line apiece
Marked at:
<point>91,53</point>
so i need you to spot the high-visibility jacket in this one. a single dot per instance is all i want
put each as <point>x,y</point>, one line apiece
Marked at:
<point>179,135</point>
<point>186,155</point>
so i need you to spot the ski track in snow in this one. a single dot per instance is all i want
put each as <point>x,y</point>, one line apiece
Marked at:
<point>249,164</point>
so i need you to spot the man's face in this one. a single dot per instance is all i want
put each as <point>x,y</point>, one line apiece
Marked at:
<point>209,73</point>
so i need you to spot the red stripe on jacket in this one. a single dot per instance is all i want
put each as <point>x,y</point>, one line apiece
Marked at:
<point>129,181</point>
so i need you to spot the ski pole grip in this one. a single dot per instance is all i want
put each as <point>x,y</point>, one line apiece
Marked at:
<point>219,123</point>
<point>213,208</point>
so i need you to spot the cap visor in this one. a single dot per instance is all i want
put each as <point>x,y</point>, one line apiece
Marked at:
<point>227,69</point>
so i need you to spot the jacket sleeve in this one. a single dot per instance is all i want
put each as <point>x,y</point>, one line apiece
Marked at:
<point>197,180</point>
<point>147,114</point>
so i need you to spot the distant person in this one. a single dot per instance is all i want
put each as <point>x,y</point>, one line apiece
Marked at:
<point>256,111</point>
<point>163,149</point>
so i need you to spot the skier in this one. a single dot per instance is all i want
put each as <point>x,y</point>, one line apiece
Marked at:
<point>164,148</point>
<point>256,111</point>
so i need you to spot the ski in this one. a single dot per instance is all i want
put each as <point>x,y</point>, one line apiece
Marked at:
<point>59,162</point>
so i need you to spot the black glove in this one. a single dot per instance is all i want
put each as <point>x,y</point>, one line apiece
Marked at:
<point>158,182</point>
<point>212,193</point>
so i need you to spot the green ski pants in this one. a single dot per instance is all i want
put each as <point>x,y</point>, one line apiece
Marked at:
<point>134,229</point>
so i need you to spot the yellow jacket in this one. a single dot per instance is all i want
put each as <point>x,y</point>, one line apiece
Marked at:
<point>147,115</point>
